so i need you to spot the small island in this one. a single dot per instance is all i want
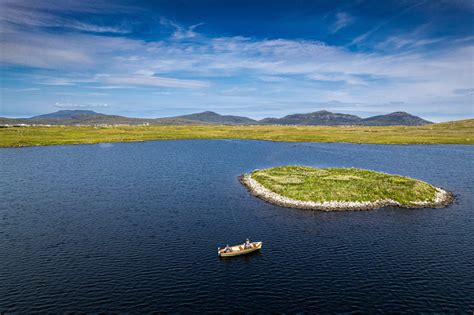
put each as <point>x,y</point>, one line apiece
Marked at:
<point>333,189</point>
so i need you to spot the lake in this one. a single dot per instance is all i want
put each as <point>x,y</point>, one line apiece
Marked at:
<point>134,227</point>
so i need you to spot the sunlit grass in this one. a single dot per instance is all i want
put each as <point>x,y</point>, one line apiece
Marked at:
<point>460,132</point>
<point>343,184</point>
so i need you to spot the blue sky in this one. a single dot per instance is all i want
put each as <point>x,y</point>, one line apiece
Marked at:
<point>251,58</point>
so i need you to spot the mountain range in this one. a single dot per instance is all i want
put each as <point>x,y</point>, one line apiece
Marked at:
<point>325,118</point>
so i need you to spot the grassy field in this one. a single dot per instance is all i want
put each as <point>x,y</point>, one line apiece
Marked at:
<point>342,184</point>
<point>458,132</point>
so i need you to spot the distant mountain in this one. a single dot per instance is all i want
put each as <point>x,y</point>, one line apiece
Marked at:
<point>325,118</point>
<point>88,117</point>
<point>395,119</point>
<point>83,117</point>
<point>322,117</point>
<point>215,118</point>
<point>68,114</point>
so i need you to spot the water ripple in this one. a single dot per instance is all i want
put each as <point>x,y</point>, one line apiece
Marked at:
<point>135,228</point>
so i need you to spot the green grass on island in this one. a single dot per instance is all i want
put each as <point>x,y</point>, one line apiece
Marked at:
<point>342,184</point>
<point>458,132</point>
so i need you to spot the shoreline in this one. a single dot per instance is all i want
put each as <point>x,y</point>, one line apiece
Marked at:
<point>442,199</point>
<point>21,146</point>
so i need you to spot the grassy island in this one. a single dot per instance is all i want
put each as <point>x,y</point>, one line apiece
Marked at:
<point>341,189</point>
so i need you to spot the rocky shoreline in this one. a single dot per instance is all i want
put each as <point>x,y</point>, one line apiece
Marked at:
<point>442,199</point>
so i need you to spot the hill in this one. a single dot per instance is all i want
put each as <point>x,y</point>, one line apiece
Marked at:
<point>215,118</point>
<point>76,117</point>
<point>67,114</point>
<point>325,118</point>
<point>88,117</point>
<point>395,119</point>
<point>319,118</point>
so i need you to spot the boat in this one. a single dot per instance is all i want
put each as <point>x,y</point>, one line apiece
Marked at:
<point>237,250</point>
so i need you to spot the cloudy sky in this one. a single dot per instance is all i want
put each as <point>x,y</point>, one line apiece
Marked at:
<point>252,58</point>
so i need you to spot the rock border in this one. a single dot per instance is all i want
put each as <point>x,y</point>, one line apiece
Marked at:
<point>442,199</point>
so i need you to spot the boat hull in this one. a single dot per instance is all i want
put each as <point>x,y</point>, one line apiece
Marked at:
<point>238,250</point>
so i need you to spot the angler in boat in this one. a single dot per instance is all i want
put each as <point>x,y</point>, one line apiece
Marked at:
<point>241,249</point>
<point>247,244</point>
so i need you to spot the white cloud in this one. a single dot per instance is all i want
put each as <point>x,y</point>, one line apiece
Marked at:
<point>70,51</point>
<point>238,91</point>
<point>338,77</point>
<point>149,80</point>
<point>469,91</point>
<point>271,78</point>
<point>170,64</point>
<point>28,54</point>
<point>277,68</point>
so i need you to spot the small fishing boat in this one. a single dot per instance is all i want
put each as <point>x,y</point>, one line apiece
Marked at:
<point>240,249</point>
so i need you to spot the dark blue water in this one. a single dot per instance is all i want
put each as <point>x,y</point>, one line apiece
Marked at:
<point>134,227</point>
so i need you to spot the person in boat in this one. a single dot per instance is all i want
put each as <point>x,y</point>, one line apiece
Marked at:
<point>227,249</point>
<point>247,244</point>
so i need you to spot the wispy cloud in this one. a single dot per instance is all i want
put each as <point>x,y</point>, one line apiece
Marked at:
<point>151,80</point>
<point>21,89</point>
<point>74,105</point>
<point>343,19</point>
<point>271,78</point>
<point>57,80</point>
<point>469,91</point>
<point>64,50</point>
<point>361,38</point>
<point>338,77</point>
<point>179,31</point>
<point>37,53</point>
<point>171,64</point>
<point>412,40</point>
<point>48,15</point>
<point>81,94</point>
<point>230,70</point>
<point>97,28</point>
<point>59,6</point>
